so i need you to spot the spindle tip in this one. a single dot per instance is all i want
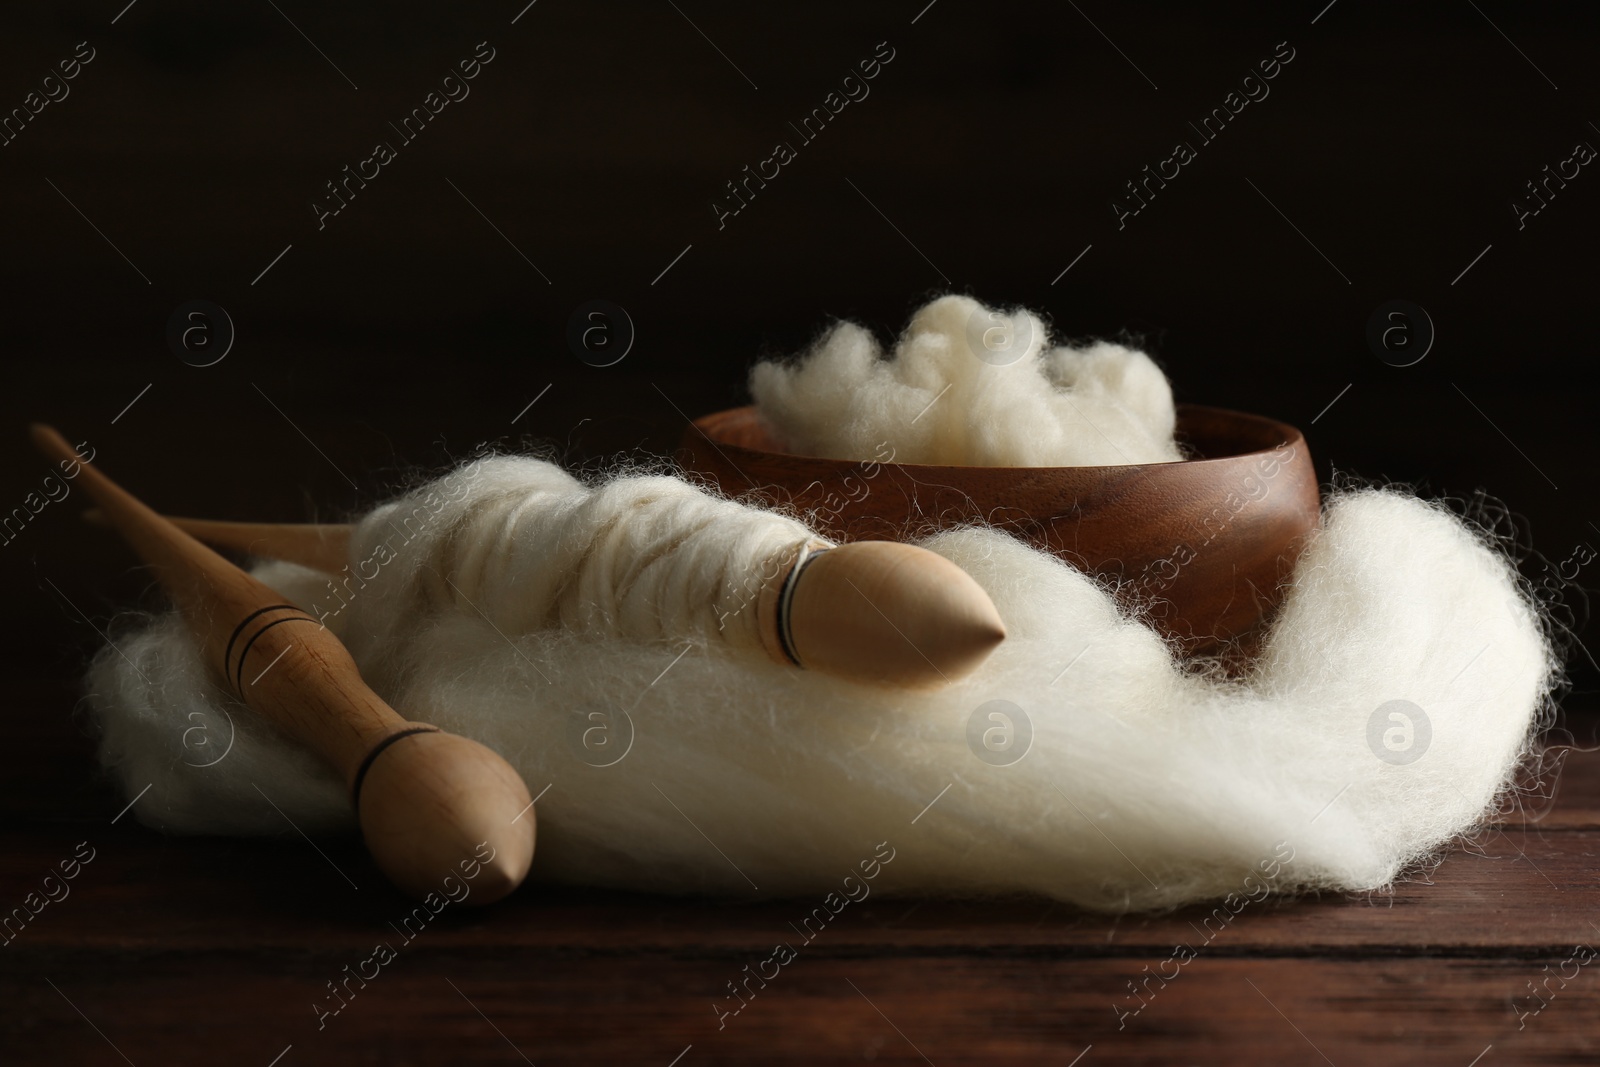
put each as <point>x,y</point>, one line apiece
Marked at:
<point>49,441</point>
<point>436,805</point>
<point>891,614</point>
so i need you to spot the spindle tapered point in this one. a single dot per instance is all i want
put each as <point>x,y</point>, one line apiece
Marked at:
<point>894,614</point>
<point>49,441</point>
<point>436,804</point>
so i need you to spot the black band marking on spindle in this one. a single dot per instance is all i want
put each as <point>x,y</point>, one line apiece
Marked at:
<point>377,749</point>
<point>238,681</point>
<point>237,630</point>
<point>786,603</point>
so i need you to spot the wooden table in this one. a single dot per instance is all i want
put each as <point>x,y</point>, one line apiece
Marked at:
<point>176,951</point>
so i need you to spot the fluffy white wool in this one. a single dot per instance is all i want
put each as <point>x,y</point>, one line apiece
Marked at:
<point>1145,785</point>
<point>971,385</point>
<point>523,544</point>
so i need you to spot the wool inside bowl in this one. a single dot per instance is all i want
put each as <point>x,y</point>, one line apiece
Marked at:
<point>1200,548</point>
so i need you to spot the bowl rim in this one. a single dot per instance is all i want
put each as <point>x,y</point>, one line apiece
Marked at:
<point>1289,436</point>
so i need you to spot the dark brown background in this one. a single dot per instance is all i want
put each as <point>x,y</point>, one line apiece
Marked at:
<point>408,332</point>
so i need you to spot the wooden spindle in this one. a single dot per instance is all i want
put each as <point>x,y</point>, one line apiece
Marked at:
<point>426,800</point>
<point>877,612</point>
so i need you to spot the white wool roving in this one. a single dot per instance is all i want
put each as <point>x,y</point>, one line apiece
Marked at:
<point>527,546</point>
<point>716,770</point>
<point>971,385</point>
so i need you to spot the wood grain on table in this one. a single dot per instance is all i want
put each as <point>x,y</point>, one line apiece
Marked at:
<point>204,950</point>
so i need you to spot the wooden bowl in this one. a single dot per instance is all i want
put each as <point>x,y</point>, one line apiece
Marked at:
<point>1200,547</point>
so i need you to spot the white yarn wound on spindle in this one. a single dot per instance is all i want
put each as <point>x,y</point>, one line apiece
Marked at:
<point>1146,785</point>
<point>527,547</point>
<point>971,385</point>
